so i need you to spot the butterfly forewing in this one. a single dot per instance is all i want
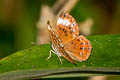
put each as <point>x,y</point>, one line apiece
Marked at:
<point>79,49</point>
<point>57,45</point>
<point>67,28</point>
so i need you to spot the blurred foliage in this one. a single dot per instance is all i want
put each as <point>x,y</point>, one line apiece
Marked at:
<point>18,24</point>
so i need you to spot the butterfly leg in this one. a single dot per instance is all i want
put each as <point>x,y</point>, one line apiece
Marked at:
<point>50,54</point>
<point>59,59</point>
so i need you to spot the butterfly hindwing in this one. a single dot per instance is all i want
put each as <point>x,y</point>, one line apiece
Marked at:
<point>79,49</point>
<point>67,28</point>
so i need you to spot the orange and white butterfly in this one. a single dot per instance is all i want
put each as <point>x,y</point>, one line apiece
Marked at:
<point>66,41</point>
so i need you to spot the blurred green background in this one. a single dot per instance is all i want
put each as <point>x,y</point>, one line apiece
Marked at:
<point>18,20</point>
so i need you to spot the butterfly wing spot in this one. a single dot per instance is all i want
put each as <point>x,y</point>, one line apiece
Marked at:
<point>73,30</point>
<point>64,22</point>
<point>67,28</point>
<point>80,50</point>
<point>63,29</point>
<point>72,25</point>
<point>81,43</point>
<point>89,49</point>
<point>74,47</point>
<point>60,21</point>
<point>78,39</point>
<point>72,42</point>
<point>83,48</point>
<point>73,35</point>
<point>65,34</point>
<point>84,43</point>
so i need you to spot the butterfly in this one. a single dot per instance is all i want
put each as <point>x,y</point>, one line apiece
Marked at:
<point>67,42</point>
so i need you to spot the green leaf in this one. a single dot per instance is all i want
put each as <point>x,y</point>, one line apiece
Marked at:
<point>32,63</point>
